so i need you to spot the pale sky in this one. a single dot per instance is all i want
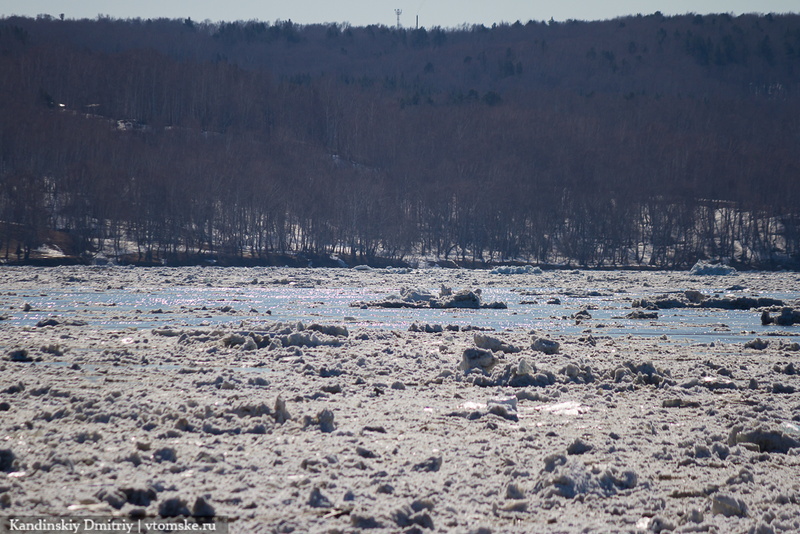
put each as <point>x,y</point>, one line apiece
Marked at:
<point>444,13</point>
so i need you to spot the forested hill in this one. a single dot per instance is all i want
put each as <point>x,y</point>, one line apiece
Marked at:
<point>645,140</point>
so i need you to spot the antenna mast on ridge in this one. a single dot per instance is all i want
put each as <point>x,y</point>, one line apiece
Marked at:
<point>398,12</point>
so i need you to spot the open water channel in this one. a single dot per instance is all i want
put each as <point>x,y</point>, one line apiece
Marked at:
<point>546,309</point>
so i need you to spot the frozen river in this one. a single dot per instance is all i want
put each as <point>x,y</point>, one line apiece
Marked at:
<point>178,384</point>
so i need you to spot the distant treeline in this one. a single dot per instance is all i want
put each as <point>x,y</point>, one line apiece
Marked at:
<point>645,140</point>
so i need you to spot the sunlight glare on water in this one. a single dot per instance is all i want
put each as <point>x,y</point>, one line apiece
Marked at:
<point>529,309</point>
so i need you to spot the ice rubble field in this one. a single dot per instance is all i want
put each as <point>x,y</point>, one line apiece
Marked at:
<point>309,400</point>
